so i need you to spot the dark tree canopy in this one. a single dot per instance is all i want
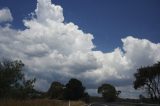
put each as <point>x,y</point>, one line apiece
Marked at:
<point>149,78</point>
<point>56,90</point>
<point>74,90</point>
<point>108,92</point>
<point>12,81</point>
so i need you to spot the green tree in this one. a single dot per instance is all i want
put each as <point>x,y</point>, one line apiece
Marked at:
<point>108,92</point>
<point>56,90</point>
<point>74,90</point>
<point>12,81</point>
<point>149,78</point>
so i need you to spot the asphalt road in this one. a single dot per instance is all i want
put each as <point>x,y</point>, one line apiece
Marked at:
<point>121,104</point>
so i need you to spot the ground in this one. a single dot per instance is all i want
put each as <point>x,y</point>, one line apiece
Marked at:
<point>40,102</point>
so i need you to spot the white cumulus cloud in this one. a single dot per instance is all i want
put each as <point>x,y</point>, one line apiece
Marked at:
<point>54,50</point>
<point>5,15</point>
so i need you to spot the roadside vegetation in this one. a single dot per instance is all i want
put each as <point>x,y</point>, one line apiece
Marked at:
<point>39,102</point>
<point>108,92</point>
<point>148,79</point>
<point>16,90</point>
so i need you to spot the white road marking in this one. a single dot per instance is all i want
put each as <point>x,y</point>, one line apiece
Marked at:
<point>69,104</point>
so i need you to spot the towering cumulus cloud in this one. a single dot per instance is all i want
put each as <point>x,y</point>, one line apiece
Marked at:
<point>54,50</point>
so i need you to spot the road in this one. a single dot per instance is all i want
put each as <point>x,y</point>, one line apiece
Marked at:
<point>121,104</point>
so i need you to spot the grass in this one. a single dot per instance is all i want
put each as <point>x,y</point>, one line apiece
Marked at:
<point>40,102</point>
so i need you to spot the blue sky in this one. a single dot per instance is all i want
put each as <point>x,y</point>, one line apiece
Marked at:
<point>107,20</point>
<point>57,45</point>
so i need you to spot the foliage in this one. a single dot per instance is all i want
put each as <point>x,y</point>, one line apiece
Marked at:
<point>108,92</point>
<point>86,97</point>
<point>74,90</point>
<point>12,81</point>
<point>149,78</point>
<point>56,90</point>
<point>118,93</point>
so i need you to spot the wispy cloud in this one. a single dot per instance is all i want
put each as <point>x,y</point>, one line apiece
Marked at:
<point>5,15</point>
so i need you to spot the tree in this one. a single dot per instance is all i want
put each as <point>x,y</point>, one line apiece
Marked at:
<point>12,81</point>
<point>74,90</point>
<point>118,93</point>
<point>149,79</point>
<point>86,97</point>
<point>56,90</point>
<point>108,92</point>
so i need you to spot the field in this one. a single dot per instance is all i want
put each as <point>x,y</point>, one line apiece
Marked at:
<point>40,102</point>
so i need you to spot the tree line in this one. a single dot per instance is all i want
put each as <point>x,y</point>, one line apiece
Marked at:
<point>73,90</point>
<point>14,85</point>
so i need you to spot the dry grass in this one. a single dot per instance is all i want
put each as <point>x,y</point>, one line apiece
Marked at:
<point>77,103</point>
<point>40,102</point>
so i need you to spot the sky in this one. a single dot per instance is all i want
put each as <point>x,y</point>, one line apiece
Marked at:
<point>95,41</point>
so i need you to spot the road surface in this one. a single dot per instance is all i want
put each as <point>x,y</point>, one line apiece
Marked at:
<point>122,104</point>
